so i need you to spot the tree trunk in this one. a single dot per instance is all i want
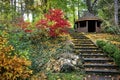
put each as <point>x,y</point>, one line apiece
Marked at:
<point>116,12</point>
<point>89,6</point>
<point>78,9</point>
<point>11,3</point>
<point>45,3</point>
<point>93,4</point>
<point>22,10</point>
<point>14,9</point>
<point>119,13</point>
<point>73,5</point>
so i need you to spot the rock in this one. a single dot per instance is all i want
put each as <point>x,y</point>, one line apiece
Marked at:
<point>79,64</point>
<point>69,56</point>
<point>74,62</point>
<point>63,60</point>
<point>67,62</point>
<point>67,67</point>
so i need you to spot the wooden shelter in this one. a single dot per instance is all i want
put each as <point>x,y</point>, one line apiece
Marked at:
<point>88,23</point>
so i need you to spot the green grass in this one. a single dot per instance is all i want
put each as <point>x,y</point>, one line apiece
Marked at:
<point>65,76</point>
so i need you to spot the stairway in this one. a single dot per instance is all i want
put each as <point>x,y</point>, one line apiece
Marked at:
<point>95,61</point>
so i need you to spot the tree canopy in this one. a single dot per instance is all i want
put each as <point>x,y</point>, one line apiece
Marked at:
<point>73,9</point>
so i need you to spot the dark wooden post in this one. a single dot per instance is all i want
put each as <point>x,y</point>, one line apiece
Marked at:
<point>87,26</point>
<point>96,28</point>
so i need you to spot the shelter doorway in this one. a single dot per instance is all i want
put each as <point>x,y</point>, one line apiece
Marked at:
<point>91,26</point>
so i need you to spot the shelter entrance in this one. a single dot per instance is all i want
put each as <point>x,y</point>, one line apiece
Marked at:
<point>91,26</point>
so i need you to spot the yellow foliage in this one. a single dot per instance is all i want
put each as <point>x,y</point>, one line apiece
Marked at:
<point>99,36</point>
<point>12,67</point>
<point>53,65</point>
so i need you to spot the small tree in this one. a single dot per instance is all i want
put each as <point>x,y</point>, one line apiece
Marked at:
<point>54,22</point>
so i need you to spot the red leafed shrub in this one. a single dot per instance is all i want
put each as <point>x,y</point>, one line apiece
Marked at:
<point>55,22</point>
<point>42,23</point>
<point>23,25</point>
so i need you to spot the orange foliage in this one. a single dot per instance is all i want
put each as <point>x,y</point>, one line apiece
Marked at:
<point>12,67</point>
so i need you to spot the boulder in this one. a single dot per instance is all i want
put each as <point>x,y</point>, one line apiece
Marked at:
<point>67,62</point>
<point>67,67</point>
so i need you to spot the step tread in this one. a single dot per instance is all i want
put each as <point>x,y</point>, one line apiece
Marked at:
<point>102,70</point>
<point>85,45</point>
<point>91,51</point>
<point>101,65</point>
<point>97,59</point>
<point>81,40</point>
<point>90,42</point>
<point>86,48</point>
<point>93,54</point>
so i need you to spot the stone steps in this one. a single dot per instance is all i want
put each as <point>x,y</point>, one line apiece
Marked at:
<point>83,47</point>
<point>89,45</point>
<point>94,55</point>
<point>82,42</point>
<point>82,37</point>
<point>101,65</point>
<point>102,71</point>
<point>91,48</point>
<point>90,51</point>
<point>97,60</point>
<point>94,60</point>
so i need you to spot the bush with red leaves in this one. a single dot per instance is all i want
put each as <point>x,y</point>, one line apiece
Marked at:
<point>54,22</point>
<point>23,25</point>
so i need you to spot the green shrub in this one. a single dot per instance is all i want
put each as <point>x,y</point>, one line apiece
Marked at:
<point>21,43</point>
<point>116,56</point>
<point>101,43</point>
<point>109,48</point>
<point>39,36</point>
<point>1,27</point>
<point>110,29</point>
